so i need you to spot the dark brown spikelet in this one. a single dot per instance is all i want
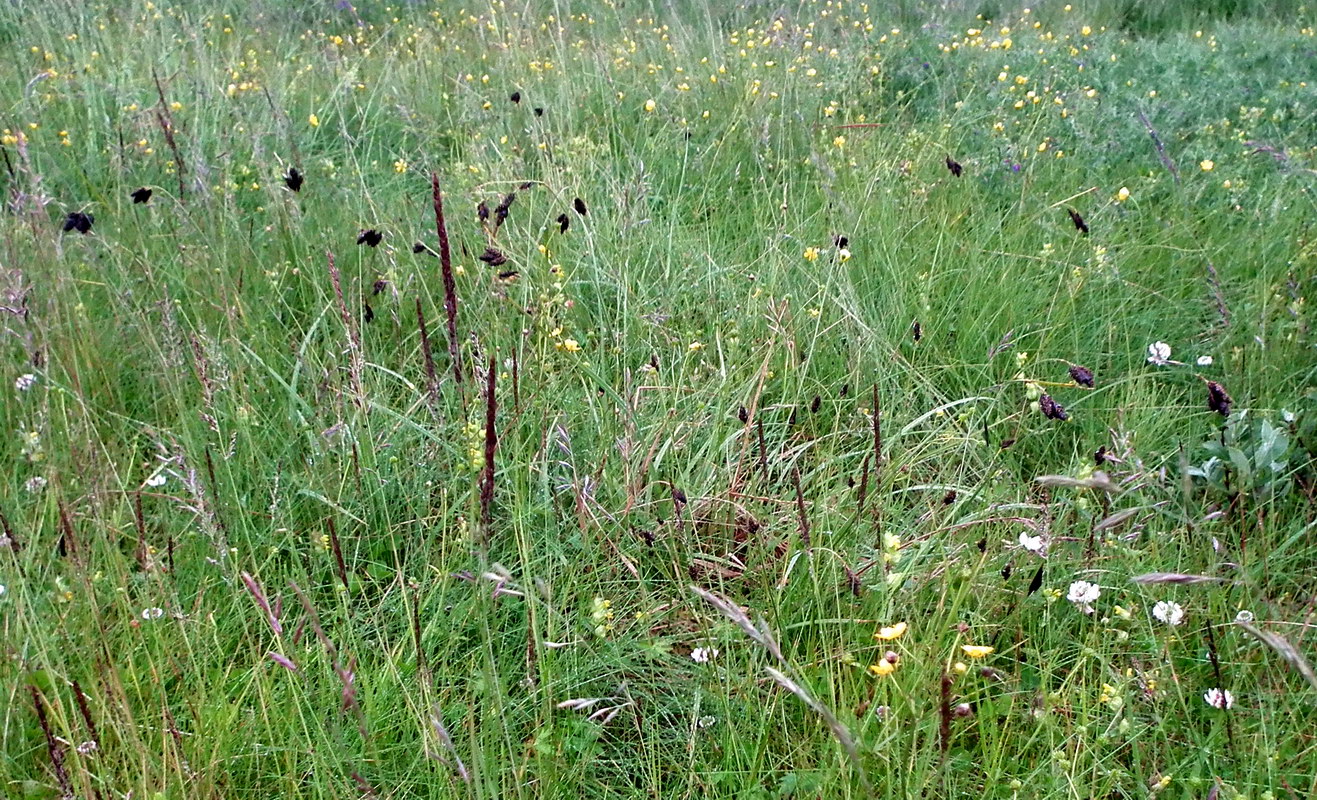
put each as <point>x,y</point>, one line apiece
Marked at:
<point>743,415</point>
<point>515,97</point>
<point>1036,582</point>
<point>370,237</point>
<point>564,222</point>
<point>142,195</point>
<point>420,247</point>
<point>379,286</point>
<point>367,313</point>
<point>1100,456</point>
<point>841,241</point>
<point>493,257</point>
<point>508,276</point>
<point>1082,375</point>
<point>845,390</point>
<point>539,112</point>
<point>1051,409</point>
<point>917,331</point>
<point>482,211</point>
<point>78,221</point>
<point>501,210</point>
<point>1217,398</point>
<point>1080,224</point>
<point>293,179</point>
<point>814,405</point>
<point>954,166</point>
<point>579,205</point>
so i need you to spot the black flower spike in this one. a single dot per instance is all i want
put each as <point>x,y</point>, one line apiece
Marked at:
<point>419,247</point>
<point>482,211</point>
<point>1082,375</point>
<point>742,415</point>
<point>142,195</point>
<point>78,221</point>
<point>368,313</point>
<point>371,237</point>
<point>564,222</point>
<point>515,97</point>
<point>1051,409</point>
<point>1080,224</point>
<point>501,210</point>
<point>493,257</point>
<point>954,166</point>
<point>841,241</point>
<point>1036,582</point>
<point>379,286</point>
<point>579,205</point>
<point>917,331</point>
<point>293,179</point>
<point>1218,399</point>
<point>814,406</point>
<point>539,112</point>
<point>508,276</point>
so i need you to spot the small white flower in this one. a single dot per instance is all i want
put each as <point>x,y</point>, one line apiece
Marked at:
<point>1245,616</point>
<point>1159,353</point>
<point>157,479</point>
<point>1034,544</point>
<point>1169,612</point>
<point>35,484</point>
<point>1204,361</point>
<point>703,655</point>
<point>24,382</point>
<point>87,748</point>
<point>1219,699</point>
<point>1083,594</point>
<point>707,721</point>
<point>1287,415</point>
<point>154,612</point>
<point>3,590</point>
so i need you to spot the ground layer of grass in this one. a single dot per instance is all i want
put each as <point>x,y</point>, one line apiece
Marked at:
<point>778,305</point>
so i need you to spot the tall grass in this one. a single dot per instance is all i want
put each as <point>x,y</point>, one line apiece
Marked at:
<point>623,489</point>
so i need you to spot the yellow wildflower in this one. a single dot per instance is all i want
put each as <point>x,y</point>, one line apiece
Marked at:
<point>883,668</point>
<point>977,650</point>
<point>892,632</point>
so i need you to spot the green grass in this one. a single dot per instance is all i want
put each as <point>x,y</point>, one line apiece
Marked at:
<point>684,399</point>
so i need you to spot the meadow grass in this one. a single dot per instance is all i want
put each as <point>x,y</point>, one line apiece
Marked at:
<point>777,345</point>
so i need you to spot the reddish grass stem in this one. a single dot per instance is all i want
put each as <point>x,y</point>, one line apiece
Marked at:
<point>491,443</point>
<point>450,286</point>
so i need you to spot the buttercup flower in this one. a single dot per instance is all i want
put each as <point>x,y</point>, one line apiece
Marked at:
<point>977,650</point>
<point>1083,594</point>
<point>883,668</point>
<point>1169,612</point>
<point>892,632</point>
<point>1219,699</point>
<point>1206,165</point>
<point>1122,195</point>
<point>650,105</point>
